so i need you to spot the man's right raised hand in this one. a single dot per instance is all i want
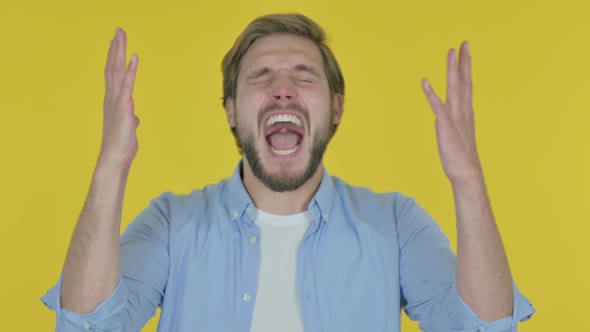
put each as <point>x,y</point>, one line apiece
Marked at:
<point>91,272</point>
<point>119,139</point>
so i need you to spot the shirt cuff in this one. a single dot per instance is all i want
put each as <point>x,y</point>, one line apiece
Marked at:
<point>522,311</point>
<point>101,318</point>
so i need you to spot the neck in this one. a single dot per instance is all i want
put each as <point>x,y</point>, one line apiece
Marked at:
<point>281,203</point>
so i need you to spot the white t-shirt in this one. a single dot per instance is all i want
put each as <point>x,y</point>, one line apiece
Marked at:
<point>277,303</point>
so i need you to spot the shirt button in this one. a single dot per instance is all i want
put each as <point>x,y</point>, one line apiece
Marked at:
<point>246,297</point>
<point>87,326</point>
<point>249,210</point>
<point>235,214</point>
<point>481,329</point>
<point>252,239</point>
<point>325,216</point>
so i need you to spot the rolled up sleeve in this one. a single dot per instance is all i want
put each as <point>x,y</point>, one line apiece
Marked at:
<point>428,280</point>
<point>464,316</point>
<point>100,319</point>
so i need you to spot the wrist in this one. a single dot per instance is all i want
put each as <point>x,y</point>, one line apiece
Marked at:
<point>110,174</point>
<point>110,164</point>
<point>469,184</point>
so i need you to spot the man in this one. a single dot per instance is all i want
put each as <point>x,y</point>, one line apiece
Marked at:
<point>281,245</point>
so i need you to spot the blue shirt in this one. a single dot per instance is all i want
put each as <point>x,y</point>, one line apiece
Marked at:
<point>363,258</point>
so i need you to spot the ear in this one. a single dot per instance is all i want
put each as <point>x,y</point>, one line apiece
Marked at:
<point>338,107</point>
<point>230,112</point>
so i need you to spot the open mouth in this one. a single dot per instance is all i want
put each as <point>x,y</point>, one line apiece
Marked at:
<point>284,133</point>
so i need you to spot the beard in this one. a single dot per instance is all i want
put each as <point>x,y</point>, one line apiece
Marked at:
<point>280,182</point>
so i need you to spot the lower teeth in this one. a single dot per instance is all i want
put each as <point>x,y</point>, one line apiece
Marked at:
<point>285,152</point>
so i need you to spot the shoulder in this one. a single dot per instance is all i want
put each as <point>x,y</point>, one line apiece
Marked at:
<point>382,210</point>
<point>178,207</point>
<point>365,198</point>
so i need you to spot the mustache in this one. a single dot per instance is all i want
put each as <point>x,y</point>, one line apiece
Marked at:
<point>289,107</point>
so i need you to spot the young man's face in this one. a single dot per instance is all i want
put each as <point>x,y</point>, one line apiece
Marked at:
<point>283,112</point>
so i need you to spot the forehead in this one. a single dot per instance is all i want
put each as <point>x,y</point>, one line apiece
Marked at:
<point>281,50</point>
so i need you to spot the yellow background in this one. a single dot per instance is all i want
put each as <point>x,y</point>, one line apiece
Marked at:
<point>531,72</point>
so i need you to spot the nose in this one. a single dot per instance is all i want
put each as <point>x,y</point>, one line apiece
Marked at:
<point>284,91</point>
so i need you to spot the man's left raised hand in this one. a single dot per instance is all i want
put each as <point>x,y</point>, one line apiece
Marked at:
<point>455,127</point>
<point>484,280</point>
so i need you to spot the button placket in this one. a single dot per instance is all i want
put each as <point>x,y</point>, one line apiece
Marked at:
<point>250,260</point>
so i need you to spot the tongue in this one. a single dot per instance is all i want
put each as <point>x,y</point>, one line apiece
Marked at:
<point>286,141</point>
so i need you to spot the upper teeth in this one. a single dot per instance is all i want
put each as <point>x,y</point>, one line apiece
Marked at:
<point>283,118</point>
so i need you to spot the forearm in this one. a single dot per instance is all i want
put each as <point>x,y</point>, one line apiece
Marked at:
<point>91,270</point>
<point>484,280</point>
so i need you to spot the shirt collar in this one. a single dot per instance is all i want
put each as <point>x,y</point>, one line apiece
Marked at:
<point>239,199</point>
<point>319,206</point>
<point>321,203</point>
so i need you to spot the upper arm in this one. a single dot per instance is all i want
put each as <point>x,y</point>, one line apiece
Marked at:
<point>144,247</point>
<point>427,272</point>
<point>427,263</point>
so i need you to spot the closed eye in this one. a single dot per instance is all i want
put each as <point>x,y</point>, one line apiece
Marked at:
<point>262,75</point>
<point>304,77</point>
<point>306,74</point>
<point>262,80</point>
